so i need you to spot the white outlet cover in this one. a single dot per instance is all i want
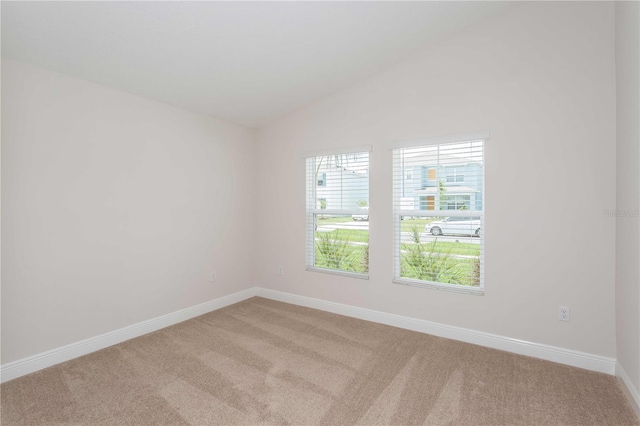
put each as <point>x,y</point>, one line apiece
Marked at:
<point>564,313</point>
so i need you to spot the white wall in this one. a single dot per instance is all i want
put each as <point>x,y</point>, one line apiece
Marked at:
<point>541,79</point>
<point>115,209</point>
<point>628,190</point>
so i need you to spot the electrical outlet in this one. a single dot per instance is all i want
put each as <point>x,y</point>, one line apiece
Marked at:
<point>280,270</point>
<point>564,313</point>
<point>213,277</point>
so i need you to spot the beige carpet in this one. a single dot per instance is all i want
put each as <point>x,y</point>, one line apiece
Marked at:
<point>266,362</point>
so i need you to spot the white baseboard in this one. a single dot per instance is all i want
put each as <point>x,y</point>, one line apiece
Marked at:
<point>633,394</point>
<point>551,353</point>
<point>46,359</point>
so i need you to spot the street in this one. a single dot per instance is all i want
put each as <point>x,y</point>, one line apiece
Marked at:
<point>406,236</point>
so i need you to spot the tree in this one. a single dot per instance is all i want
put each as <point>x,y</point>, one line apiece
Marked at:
<point>318,166</point>
<point>442,188</point>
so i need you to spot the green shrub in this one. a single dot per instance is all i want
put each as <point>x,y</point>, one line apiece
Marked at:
<point>336,252</point>
<point>424,262</point>
<point>476,271</point>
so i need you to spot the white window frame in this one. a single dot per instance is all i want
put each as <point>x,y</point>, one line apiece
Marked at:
<point>398,164</point>
<point>312,209</point>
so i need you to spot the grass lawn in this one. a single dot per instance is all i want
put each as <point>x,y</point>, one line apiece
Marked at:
<point>328,220</point>
<point>332,254</point>
<point>351,235</point>
<point>450,247</point>
<point>459,271</point>
<point>339,245</point>
<point>356,235</point>
<point>362,236</point>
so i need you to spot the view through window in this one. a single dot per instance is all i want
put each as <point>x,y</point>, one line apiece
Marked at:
<point>439,219</point>
<point>338,213</point>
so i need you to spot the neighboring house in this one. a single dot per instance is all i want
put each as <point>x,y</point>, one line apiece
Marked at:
<point>442,181</point>
<point>342,181</point>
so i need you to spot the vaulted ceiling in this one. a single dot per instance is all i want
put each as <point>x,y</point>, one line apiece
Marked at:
<point>246,62</point>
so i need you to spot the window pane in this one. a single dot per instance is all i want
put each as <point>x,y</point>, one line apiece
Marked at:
<point>452,174</point>
<point>322,179</point>
<point>342,243</point>
<point>440,244</point>
<point>345,180</point>
<point>429,255</point>
<point>338,212</point>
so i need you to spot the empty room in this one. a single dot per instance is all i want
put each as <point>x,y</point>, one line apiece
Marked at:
<point>367,213</point>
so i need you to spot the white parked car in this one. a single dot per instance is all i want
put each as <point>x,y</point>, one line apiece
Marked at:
<point>455,225</point>
<point>362,216</point>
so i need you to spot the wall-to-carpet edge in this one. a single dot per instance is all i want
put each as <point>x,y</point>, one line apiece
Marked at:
<point>43,360</point>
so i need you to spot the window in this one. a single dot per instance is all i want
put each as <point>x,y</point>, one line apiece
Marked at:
<point>427,202</point>
<point>431,173</point>
<point>456,202</point>
<point>454,174</point>
<point>322,179</point>
<point>439,238</point>
<point>337,217</point>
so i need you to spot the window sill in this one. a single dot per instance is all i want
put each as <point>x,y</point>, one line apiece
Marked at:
<point>477,291</point>
<point>337,272</point>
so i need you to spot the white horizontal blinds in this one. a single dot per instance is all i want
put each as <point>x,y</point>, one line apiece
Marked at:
<point>341,182</point>
<point>337,212</point>
<point>439,213</point>
<point>310,182</point>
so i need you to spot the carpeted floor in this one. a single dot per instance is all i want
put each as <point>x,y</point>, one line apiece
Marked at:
<point>266,362</point>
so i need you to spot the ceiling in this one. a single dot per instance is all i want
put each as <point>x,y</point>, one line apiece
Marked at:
<point>245,62</point>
